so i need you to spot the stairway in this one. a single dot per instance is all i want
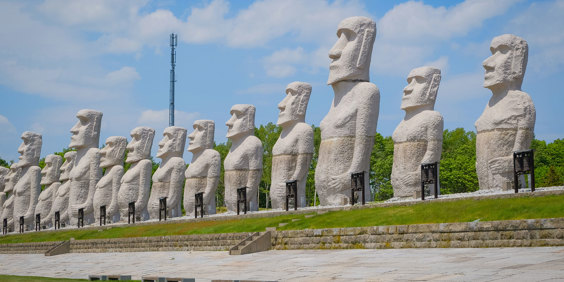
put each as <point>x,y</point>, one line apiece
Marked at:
<point>257,242</point>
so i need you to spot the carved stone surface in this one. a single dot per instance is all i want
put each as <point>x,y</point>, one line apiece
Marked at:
<point>3,179</point>
<point>61,195</point>
<point>168,180</point>
<point>202,175</point>
<point>86,171</point>
<point>50,178</point>
<point>347,131</point>
<point>28,187</point>
<point>293,151</point>
<point>508,121</point>
<point>8,206</point>
<point>243,163</point>
<point>418,138</point>
<point>106,194</point>
<point>136,182</point>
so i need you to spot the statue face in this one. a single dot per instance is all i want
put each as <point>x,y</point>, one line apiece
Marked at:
<point>172,144</point>
<point>241,122</point>
<point>422,87</point>
<point>506,66</point>
<point>12,178</point>
<point>202,136</point>
<point>293,106</point>
<point>350,56</point>
<point>140,146</point>
<point>50,173</point>
<point>30,149</point>
<point>67,165</point>
<point>112,153</point>
<point>86,132</point>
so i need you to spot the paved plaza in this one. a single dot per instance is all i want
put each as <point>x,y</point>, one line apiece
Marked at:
<point>491,264</point>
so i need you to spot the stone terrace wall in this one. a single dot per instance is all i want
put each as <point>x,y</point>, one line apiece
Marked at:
<point>27,248</point>
<point>510,233</point>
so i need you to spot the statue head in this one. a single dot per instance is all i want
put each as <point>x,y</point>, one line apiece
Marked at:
<point>30,149</point>
<point>139,148</point>
<point>293,107</point>
<point>242,121</point>
<point>67,166</point>
<point>173,142</point>
<point>86,132</point>
<point>3,173</point>
<point>350,56</point>
<point>202,136</point>
<point>12,178</point>
<point>51,172</point>
<point>422,86</point>
<point>508,62</point>
<point>114,151</point>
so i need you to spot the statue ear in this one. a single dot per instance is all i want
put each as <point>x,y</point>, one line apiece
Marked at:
<point>519,62</point>
<point>366,47</point>
<point>434,87</point>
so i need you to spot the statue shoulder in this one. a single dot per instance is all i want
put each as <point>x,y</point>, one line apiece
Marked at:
<point>367,88</point>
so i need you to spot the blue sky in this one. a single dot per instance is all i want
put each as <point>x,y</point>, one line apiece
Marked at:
<point>57,57</point>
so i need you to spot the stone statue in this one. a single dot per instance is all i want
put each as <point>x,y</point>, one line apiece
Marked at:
<point>136,182</point>
<point>347,131</point>
<point>418,139</point>
<point>86,171</point>
<point>293,150</point>
<point>50,178</point>
<point>243,163</point>
<point>61,195</point>
<point>8,206</point>
<point>508,121</point>
<point>106,194</point>
<point>3,179</point>
<point>168,180</point>
<point>28,187</point>
<point>203,173</point>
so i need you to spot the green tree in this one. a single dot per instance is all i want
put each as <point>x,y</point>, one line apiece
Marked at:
<point>4,163</point>
<point>381,161</point>
<point>458,162</point>
<point>223,149</point>
<point>268,135</point>
<point>549,162</point>
<point>311,197</point>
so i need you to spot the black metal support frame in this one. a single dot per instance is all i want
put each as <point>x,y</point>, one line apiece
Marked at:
<point>523,163</point>
<point>357,185</point>
<point>21,224</point>
<point>292,193</point>
<point>80,218</point>
<point>102,215</point>
<point>162,208</point>
<point>57,220</point>
<point>37,222</point>
<point>5,226</point>
<point>199,203</point>
<point>430,175</point>
<point>131,213</point>
<point>242,199</point>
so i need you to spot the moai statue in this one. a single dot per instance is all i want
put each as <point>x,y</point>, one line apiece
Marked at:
<point>136,182</point>
<point>293,150</point>
<point>86,171</point>
<point>50,178</point>
<point>8,206</point>
<point>508,121</point>
<point>168,180</point>
<point>418,139</point>
<point>3,179</point>
<point>106,194</point>
<point>28,187</point>
<point>202,176</point>
<point>347,131</point>
<point>243,163</point>
<point>61,195</point>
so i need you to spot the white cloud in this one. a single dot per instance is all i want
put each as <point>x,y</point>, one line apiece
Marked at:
<point>440,63</point>
<point>158,119</point>
<point>541,25</point>
<point>8,136</point>
<point>264,89</point>
<point>124,75</point>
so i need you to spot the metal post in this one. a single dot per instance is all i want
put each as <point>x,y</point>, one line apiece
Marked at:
<point>57,220</point>
<point>162,208</point>
<point>242,199</point>
<point>199,203</point>
<point>430,175</point>
<point>102,215</point>
<point>80,218</point>
<point>357,185</point>
<point>37,222</point>
<point>173,43</point>
<point>21,224</point>
<point>523,163</point>
<point>292,192</point>
<point>131,213</point>
<point>5,226</point>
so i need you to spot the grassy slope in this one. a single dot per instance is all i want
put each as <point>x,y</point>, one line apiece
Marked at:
<point>427,212</point>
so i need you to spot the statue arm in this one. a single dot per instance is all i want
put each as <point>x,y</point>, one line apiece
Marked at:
<point>116,182</point>
<point>434,140</point>
<point>305,154</point>
<point>255,166</point>
<point>176,181</point>
<point>54,187</point>
<point>35,190</point>
<point>214,171</point>
<point>144,185</point>
<point>95,175</point>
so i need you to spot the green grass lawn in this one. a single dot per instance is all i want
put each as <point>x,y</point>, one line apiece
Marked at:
<point>425,212</point>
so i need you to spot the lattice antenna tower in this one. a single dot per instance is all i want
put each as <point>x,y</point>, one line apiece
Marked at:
<point>173,41</point>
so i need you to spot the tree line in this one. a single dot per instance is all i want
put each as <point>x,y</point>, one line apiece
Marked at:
<point>457,165</point>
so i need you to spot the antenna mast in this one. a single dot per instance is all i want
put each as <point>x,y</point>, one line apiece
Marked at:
<point>173,39</point>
